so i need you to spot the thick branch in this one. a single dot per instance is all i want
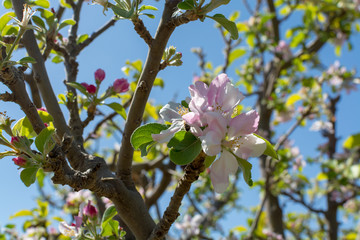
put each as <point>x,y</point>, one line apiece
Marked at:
<point>41,77</point>
<point>143,89</point>
<point>142,31</point>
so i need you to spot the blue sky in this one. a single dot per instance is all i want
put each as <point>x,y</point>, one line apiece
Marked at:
<point>121,43</point>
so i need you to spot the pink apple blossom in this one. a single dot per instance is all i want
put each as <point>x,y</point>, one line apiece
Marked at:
<point>91,89</point>
<point>120,85</point>
<point>90,210</point>
<point>14,140</point>
<point>99,75</point>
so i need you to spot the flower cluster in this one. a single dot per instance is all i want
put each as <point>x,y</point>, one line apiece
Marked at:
<point>119,85</point>
<point>212,116</point>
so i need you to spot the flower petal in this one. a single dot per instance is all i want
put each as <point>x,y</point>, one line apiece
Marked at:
<point>250,146</point>
<point>244,124</point>
<point>220,170</point>
<point>166,135</point>
<point>211,143</point>
<point>170,112</point>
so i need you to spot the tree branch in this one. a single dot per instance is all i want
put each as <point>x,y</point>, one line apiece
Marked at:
<point>192,172</point>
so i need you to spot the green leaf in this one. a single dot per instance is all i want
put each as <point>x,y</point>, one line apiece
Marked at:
<point>352,141</point>
<point>246,169</point>
<point>235,54</point>
<point>25,60</point>
<point>209,160</point>
<point>57,59</point>
<point>28,176</point>
<point>41,3</point>
<point>66,22</point>
<point>106,224</point>
<point>269,151</point>
<point>21,213</point>
<point>122,12</point>
<point>227,24</point>
<point>142,135</point>
<point>43,141</point>
<point>185,147</point>
<point>4,19</point>
<point>82,38</point>
<point>110,229</point>
<point>78,86</point>
<point>7,4</point>
<point>186,5</point>
<point>147,7</point>
<point>149,15</point>
<point>40,176</point>
<point>23,127</point>
<point>38,21</point>
<point>117,107</point>
<point>109,213</point>
<point>213,5</point>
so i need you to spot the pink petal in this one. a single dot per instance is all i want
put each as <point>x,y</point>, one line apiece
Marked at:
<point>250,146</point>
<point>217,88</point>
<point>211,143</point>
<point>220,170</point>
<point>244,124</point>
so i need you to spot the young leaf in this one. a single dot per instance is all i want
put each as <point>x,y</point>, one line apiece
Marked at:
<point>78,86</point>
<point>186,5</point>
<point>246,169</point>
<point>352,141</point>
<point>21,213</point>
<point>121,12</point>
<point>147,7</point>
<point>38,21</point>
<point>4,19</point>
<point>25,60</point>
<point>142,135</point>
<point>235,54</point>
<point>42,3</point>
<point>185,148</point>
<point>269,151</point>
<point>28,176</point>
<point>110,229</point>
<point>66,22</point>
<point>228,25</point>
<point>109,213</point>
<point>43,139</point>
<point>117,107</point>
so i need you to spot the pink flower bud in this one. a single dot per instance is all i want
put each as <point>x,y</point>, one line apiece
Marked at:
<point>84,84</point>
<point>121,85</point>
<point>90,210</point>
<point>19,161</point>
<point>14,140</point>
<point>91,89</point>
<point>99,75</point>
<point>42,109</point>
<point>46,125</point>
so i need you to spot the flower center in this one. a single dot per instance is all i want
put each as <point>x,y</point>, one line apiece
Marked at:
<point>182,110</point>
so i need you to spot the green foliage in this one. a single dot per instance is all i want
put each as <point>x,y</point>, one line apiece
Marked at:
<point>118,108</point>
<point>28,175</point>
<point>141,138</point>
<point>269,151</point>
<point>185,147</point>
<point>227,24</point>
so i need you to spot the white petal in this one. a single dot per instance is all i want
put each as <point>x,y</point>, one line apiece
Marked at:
<point>220,170</point>
<point>211,143</point>
<point>250,146</point>
<point>166,135</point>
<point>170,112</point>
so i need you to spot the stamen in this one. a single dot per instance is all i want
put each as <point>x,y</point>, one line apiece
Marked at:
<point>182,110</point>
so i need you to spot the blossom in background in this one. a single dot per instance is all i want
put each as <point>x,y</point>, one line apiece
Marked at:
<point>284,50</point>
<point>120,85</point>
<point>190,226</point>
<point>326,127</point>
<point>99,75</point>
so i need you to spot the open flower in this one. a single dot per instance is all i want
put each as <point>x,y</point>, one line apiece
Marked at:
<point>173,113</point>
<point>230,138</point>
<point>68,230</point>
